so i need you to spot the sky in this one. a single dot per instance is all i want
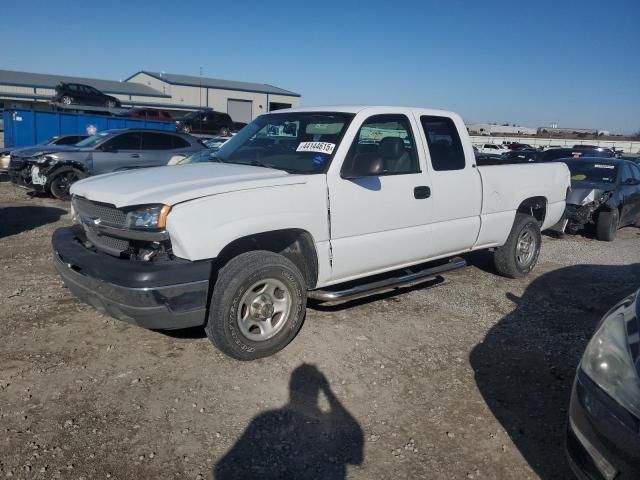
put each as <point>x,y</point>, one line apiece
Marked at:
<point>531,63</point>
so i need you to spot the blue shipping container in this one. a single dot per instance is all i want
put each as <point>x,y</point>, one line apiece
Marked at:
<point>23,128</point>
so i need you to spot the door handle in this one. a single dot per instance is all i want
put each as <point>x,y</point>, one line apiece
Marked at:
<point>421,192</point>
<point>135,155</point>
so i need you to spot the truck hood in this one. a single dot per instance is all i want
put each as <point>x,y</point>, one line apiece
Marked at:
<point>175,184</point>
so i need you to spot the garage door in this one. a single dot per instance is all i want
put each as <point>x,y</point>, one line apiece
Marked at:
<point>239,110</point>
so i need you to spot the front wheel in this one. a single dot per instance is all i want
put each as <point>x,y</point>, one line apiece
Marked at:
<point>607,225</point>
<point>110,104</point>
<point>67,100</point>
<point>61,183</point>
<point>257,305</point>
<point>517,257</point>
<point>224,132</point>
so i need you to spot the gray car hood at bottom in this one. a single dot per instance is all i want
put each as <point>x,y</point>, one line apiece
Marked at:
<point>584,193</point>
<point>175,184</point>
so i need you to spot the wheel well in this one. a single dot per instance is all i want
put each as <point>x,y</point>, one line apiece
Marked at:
<point>534,206</point>
<point>295,244</point>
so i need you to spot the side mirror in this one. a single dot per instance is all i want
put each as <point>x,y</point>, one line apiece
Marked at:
<point>363,165</point>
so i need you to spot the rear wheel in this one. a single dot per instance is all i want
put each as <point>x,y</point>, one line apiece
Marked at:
<point>62,181</point>
<point>224,132</point>
<point>67,100</point>
<point>607,225</point>
<point>110,104</point>
<point>517,257</point>
<point>257,305</point>
<point>185,129</point>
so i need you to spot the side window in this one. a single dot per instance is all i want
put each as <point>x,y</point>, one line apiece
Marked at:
<point>625,173</point>
<point>386,140</point>
<point>156,141</point>
<point>126,141</point>
<point>179,142</point>
<point>445,147</point>
<point>72,87</point>
<point>635,171</point>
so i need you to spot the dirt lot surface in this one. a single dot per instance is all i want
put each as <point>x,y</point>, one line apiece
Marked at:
<point>466,380</point>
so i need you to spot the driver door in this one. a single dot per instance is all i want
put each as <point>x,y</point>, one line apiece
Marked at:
<point>380,221</point>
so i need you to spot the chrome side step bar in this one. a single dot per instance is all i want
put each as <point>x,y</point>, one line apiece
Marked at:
<point>407,279</point>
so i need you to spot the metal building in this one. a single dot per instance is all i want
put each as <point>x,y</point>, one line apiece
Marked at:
<point>242,100</point>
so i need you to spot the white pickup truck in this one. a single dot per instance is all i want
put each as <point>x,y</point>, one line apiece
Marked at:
<point>302,203</point>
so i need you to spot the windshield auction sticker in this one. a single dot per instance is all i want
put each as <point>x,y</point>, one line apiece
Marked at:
<point>318,147</point>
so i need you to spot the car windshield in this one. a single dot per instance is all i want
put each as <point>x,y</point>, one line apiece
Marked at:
<point>593,172</point>
<point>93,140</point>
<point>297,142</point>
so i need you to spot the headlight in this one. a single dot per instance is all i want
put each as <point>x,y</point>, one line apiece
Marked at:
<point>152,216</point>
<point>608,361</point>
<point>46,159</point>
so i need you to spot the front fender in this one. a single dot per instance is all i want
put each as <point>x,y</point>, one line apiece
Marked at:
<point>199,229</point>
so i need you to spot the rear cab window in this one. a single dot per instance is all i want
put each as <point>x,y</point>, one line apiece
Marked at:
<point>443,141</point>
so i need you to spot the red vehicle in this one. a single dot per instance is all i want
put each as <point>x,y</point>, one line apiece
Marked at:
<point>148,114</point>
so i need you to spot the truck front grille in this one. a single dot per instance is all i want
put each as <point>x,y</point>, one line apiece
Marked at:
<point>108,214</point>
<point>106,243</point>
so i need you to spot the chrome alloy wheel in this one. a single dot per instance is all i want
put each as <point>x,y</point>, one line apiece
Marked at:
<point>526,248</point>
<point>264,309</point>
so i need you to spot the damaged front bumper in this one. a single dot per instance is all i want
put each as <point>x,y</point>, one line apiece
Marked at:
<point>579,215</point>
<point>167,294</point>
<point>27,173</point>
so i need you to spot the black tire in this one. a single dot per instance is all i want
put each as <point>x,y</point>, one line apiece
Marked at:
<point>67,100</point>
<point>509,259</point>
<point>237,281</point>
<point>63,179</point>
<point>224,132</point>
<point>185,129</point>
<point>111,104</point>
<point>607,225</point>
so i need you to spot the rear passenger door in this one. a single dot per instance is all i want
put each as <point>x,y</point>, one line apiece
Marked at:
<point>158,148</point>
<point>456,188</point>
<point>119,153</point>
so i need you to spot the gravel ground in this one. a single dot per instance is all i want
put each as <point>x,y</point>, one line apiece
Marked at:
<point>466,380</point>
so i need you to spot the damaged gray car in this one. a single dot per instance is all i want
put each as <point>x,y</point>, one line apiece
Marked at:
<point>54,168</point>
<point>605,194</point>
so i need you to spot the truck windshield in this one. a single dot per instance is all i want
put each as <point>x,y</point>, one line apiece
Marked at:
<point>297,142</point>
<point>592,172</point>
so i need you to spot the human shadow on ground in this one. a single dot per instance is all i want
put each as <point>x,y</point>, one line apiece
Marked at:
<point>299,440</point>
<point>525,366</point>
<point>15,220</point>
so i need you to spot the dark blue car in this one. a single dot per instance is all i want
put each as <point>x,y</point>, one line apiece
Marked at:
<point>603,431</point>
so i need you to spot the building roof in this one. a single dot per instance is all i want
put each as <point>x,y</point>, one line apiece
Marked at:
<point>42,80</point>
<point>193,81</point>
